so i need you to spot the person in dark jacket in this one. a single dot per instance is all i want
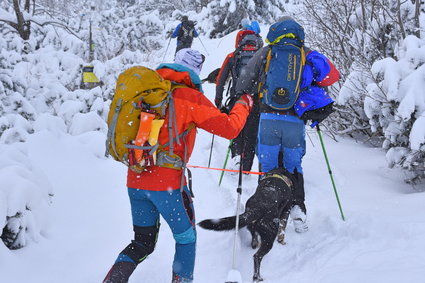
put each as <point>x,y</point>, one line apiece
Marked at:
<point>282,133</point>
<point>247,43</point>
<point>185,32</point>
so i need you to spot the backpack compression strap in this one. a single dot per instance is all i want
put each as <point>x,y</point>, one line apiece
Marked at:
<point>263,80</point>
<point>112,128</point>
<point>164,159</point>
<point>172,118</point>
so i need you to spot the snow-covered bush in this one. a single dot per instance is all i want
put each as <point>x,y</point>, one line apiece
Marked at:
<point>354,34</point>
<point>37,76</point>
<point>87,122</point>
<point>24,198</point>
<point>39,91</point>
<point>395,106</point>
<point>226,15</point>
<point>117,30</point>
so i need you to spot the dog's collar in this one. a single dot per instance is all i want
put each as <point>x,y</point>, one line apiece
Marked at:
<point>284,178</point>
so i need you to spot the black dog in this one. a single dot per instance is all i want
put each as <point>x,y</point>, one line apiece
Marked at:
<point>212,77</point>
<point>265,210</point>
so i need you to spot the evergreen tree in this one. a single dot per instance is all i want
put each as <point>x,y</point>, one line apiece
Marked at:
<point>227,15</point>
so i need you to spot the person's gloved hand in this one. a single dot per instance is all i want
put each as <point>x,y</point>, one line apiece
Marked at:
<point>247,100</point>
<point>225,109</point>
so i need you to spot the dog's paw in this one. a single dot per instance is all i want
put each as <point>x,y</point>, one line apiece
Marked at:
<point>254,243</point>
<point>281,239</point>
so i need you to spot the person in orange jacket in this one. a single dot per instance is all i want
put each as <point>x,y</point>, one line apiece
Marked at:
<point>158,190</point>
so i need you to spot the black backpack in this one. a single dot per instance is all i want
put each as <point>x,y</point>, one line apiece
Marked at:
<point>187,29</point>
<point>247,47</point>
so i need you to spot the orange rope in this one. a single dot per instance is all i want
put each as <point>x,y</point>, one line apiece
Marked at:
<point>228,170</point>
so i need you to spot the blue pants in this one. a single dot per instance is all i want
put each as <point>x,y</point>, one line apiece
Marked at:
<point>280,133</point>
<point>177,209</point>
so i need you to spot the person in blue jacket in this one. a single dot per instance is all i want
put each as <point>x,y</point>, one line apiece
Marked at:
<point>185,32</point>
<point>281,133</point>
<point>250,25</point>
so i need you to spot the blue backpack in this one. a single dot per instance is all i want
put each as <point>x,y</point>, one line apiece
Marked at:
<point>284,65</point>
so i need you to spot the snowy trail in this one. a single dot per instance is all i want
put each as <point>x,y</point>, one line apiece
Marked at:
<point>379,240</point>
<point>91,224</point>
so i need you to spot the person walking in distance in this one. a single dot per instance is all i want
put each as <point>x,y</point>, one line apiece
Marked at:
<point>184,32</point>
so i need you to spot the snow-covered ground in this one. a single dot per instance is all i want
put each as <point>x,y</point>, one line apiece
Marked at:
<point>380,241</point>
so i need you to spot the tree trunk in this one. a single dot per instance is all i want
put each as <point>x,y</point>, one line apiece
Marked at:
<point>23,27</point>
<point>399,19</point>
<point>27,6</point>
<point>417,15</point>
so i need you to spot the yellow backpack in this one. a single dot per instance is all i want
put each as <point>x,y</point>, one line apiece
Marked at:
<point>141,100</point>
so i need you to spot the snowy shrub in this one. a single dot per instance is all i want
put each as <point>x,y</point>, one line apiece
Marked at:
<point>350,116</point>
<point>91,140</point>
<point>39,81</point>
<point>48,122</point>
<point>133,29</point>
<point>396,106</point>
<point>226,15</point>
<point>14,128</point>
<point>24,198</point>
<point>68,109</point>
<point>87,122</point>
<point>354,34</point>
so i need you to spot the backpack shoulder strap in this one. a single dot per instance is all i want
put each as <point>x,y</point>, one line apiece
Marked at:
<point>264,75</point>
<point>269,56</point>
<point>302,64</point>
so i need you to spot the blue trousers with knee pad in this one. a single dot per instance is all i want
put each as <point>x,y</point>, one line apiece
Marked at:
<point>177,209</point>
<point>280,133</point>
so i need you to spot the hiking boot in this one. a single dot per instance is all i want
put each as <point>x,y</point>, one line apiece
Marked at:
<point>178,279</point>
<point>235,164</point>
<point>300,219</point>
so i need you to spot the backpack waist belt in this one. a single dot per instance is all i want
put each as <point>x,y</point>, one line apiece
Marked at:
<point>265,109</point>
<point>164,159</point>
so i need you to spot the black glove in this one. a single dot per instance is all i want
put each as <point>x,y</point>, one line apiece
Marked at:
<point>217,102</point>
<point>225,109</point>
<point>318,115</point>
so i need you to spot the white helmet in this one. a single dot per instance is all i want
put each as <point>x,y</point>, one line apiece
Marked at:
<point>190,58</point>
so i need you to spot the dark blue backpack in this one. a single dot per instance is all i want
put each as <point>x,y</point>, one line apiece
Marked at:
<point>284,66</point>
